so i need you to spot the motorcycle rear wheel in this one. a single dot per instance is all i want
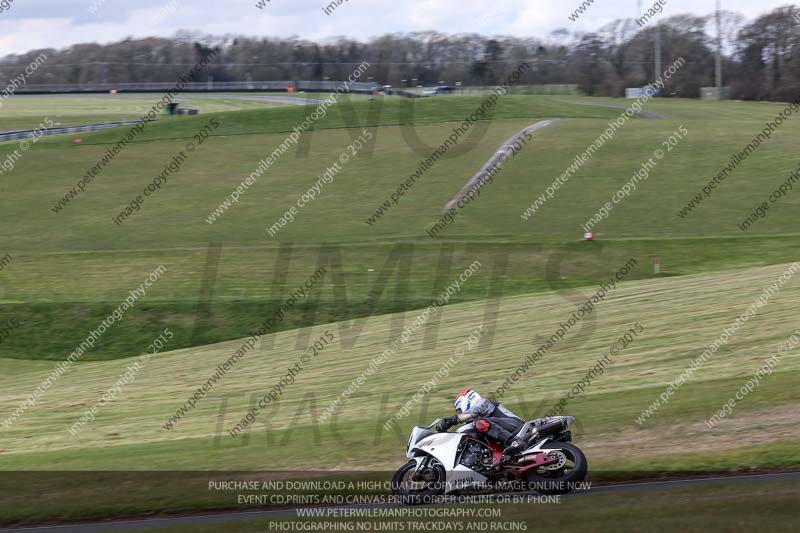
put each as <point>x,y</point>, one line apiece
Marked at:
<point>562,477</point>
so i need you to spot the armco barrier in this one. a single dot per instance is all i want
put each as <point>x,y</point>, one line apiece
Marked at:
<point>194,87</point>
<point>28,134</point>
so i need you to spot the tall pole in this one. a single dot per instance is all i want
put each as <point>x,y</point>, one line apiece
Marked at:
<point>658,53</point>
<point>718,70</point>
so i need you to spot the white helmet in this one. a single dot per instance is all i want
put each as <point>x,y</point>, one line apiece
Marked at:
<point>466,400</point>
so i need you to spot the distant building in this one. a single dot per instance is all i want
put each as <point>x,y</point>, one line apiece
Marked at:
<point>712,93</point>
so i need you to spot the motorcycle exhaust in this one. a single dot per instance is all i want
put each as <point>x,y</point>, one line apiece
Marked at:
<point>551,428</point>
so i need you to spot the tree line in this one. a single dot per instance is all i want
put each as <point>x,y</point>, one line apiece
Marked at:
<point>760,58</point>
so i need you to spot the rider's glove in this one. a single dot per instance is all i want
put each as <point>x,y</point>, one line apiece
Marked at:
<point>447,423</point>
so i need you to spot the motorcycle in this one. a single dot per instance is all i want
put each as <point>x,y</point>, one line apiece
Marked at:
<point>465,461</point>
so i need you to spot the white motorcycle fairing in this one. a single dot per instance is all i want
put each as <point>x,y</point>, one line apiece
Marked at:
<point>538,448</point>
<point>444,448</point>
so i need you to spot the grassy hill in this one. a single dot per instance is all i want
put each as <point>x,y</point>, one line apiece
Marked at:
<point>63,273</point>
<point>70,269</point>
<point>678,323</point>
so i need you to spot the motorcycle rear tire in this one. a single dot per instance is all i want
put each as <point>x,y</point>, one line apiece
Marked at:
<point>544,484</point>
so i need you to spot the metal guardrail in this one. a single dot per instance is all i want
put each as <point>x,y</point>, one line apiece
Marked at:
<point>52,88</point>
<point>311,86</point>
<point>330,86</point>
<point>7,136</point>
<point>404,94</point>
<point>210,86</point>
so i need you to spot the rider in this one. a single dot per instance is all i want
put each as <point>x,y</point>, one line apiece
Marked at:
<point>491,419</point>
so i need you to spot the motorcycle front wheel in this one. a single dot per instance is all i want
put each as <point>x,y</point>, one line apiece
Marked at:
<point>562,476</point>
<point>415,487</point>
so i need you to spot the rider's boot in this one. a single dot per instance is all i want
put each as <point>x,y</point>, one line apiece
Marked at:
<point>512,449</point>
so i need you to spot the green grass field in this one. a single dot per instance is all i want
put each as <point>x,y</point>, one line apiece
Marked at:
<point>70,270</point>
<point>670,340</point>
<point>28,112</point>
<point>91,263</point>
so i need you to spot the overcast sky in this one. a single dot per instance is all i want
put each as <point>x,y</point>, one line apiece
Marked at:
<point>30,24</point>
